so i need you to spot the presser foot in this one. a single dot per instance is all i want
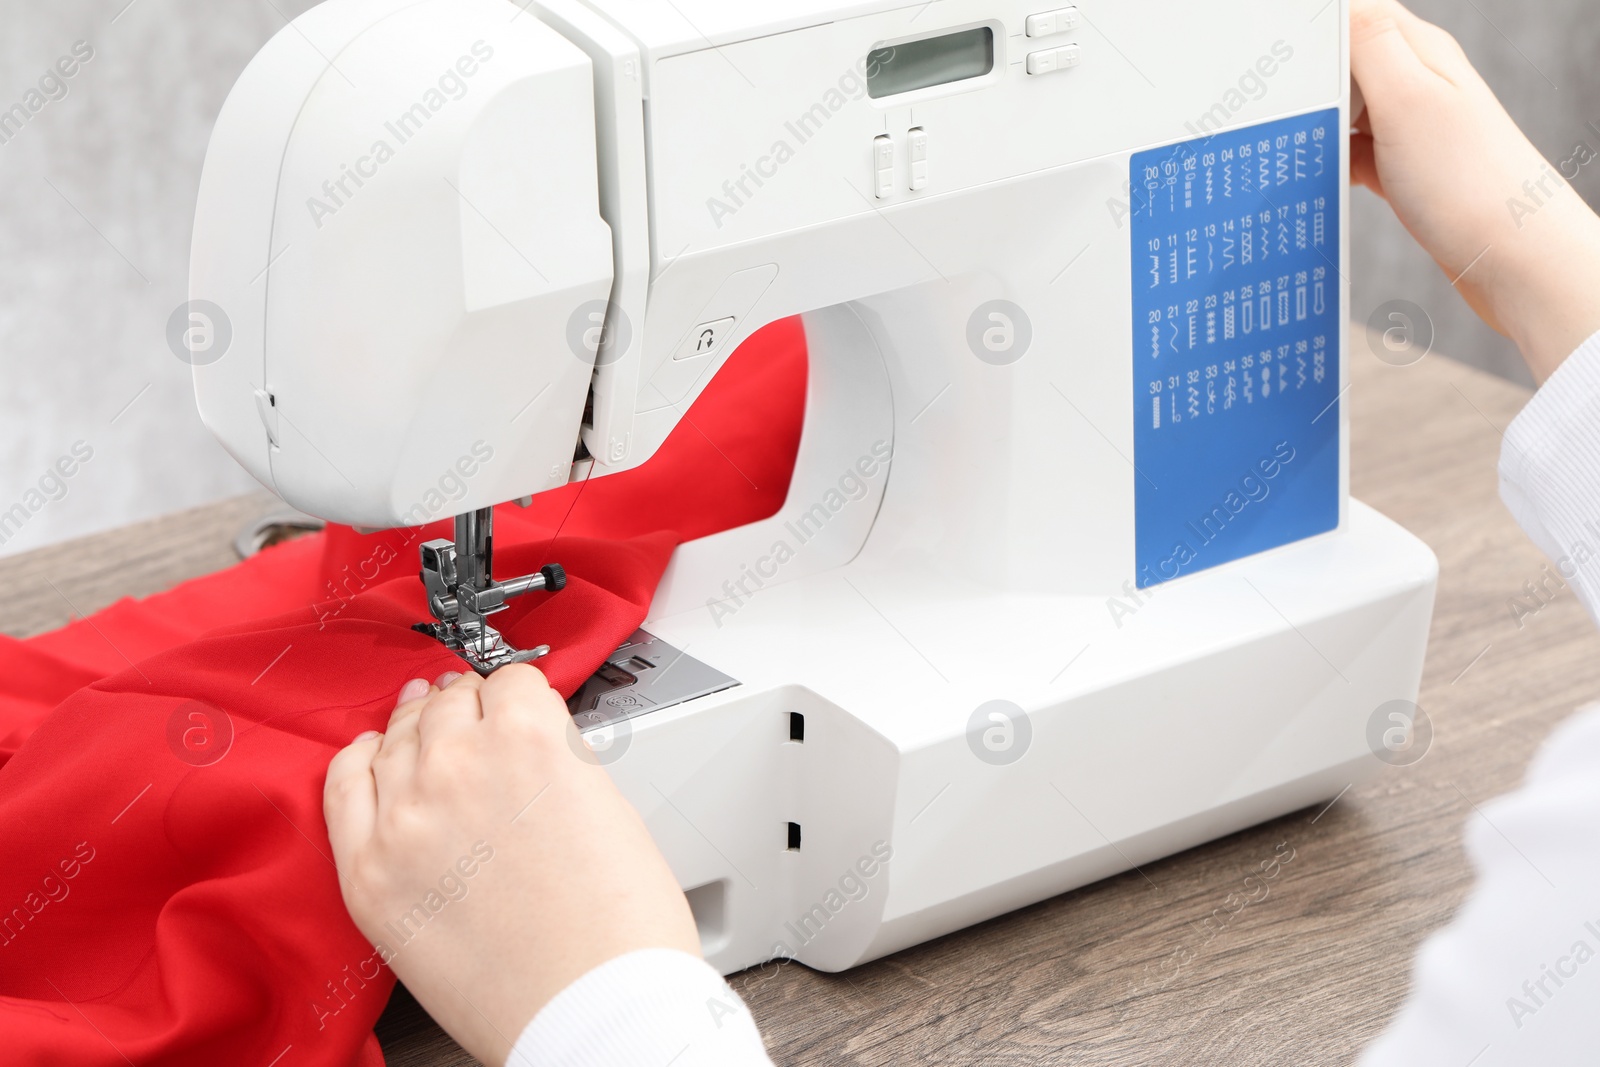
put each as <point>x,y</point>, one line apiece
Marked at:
<point>458,577</point>
<point>484,653</point>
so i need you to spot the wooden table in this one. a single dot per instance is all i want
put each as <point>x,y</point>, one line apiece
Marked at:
<point>1123,972</point>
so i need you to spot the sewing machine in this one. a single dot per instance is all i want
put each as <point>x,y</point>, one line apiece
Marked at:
<point>1067,578</point>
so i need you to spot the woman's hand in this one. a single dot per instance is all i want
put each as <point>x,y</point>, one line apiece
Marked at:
<point>1501,222</point>
<point>491,859</point>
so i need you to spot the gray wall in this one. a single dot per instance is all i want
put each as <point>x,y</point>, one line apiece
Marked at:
<point>99,189</point>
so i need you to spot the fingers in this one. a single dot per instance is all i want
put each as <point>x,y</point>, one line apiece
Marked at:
<point>1393,52</point>
<point>1369,16</point>
<point>424,715</point>
<point>396,760</point>
<point>350,796</point>
<point>454,706</point>
<point>1435,46</point>
<point>522,690</point>
<point>415,689</point>
<point>449,705</point>
<point>412,699</point>
<point>1382,61</point>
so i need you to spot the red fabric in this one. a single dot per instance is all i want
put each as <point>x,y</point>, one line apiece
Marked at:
<point>167,893</point>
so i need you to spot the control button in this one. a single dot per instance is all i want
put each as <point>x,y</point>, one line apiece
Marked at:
<point>1050,22</point>
<point>704,338</point>
<point>917,144</point>
<point>883,165</point>
<point>1052,59</point>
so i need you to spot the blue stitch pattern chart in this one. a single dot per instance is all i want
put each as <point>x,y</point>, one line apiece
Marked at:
<point>1236,338</point>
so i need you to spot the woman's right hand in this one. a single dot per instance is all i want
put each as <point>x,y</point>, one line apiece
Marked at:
<point>481,844</point>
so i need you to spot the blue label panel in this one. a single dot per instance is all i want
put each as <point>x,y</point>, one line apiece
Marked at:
<point>1235,343</point>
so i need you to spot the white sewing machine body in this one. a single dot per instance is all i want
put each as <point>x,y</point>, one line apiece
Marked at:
<point>966,522</point>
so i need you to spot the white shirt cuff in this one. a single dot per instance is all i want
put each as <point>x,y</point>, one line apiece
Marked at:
<point>650,1007</point>
<point>1550,475</point>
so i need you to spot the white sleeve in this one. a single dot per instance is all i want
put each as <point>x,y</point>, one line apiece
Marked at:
<point>1514,979</point>
<point>1550,474</point>
<point>651,1007</point>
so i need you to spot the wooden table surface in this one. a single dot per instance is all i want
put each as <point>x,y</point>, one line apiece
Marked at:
<point>1123,972</point>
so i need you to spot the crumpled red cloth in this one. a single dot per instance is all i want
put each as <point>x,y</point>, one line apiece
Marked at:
<point>167,894</point>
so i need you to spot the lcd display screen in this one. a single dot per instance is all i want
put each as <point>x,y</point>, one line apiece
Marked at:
<point>913,65</point>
